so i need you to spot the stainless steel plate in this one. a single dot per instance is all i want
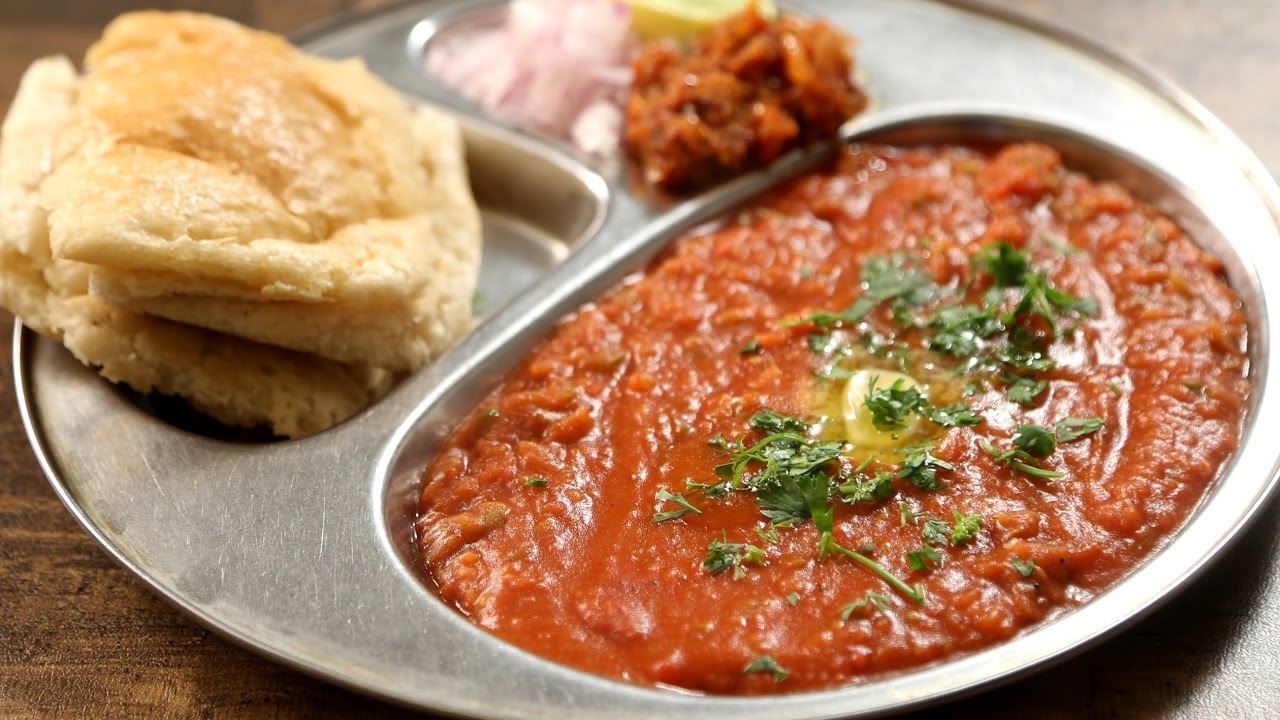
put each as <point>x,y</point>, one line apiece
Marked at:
<point>297,549</point>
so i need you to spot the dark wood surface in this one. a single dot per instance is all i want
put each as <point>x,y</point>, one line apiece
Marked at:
<point>80,637</point>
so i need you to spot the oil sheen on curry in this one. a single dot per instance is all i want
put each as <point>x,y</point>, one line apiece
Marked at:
<point>899,410</point>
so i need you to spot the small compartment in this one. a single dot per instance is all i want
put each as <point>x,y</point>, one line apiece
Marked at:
<point>537,206</point>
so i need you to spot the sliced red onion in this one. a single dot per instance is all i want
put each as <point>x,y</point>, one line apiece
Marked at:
<point>560,67</point>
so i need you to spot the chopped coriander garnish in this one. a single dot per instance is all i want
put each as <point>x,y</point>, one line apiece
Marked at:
<point>885,278</point>
<point>965,528</point>
<point>773,422</point>
<point>722,556</point>
<point>867,489</point>
<point>1039,297</point>
<point>826,544</point>
<point>685,507</point>
<point>935,531</point>
<point>958,329</point>
<point>793,599</point>
<point>533,481</point>
<point>751,348</point>
<point>768,534</point>
<point>1025,568</point>
<point>1035,440</point>
<point>822,343</point>
<point>788,471</point>
<point>907,517</point>
<point>924,559</point>
<point>712,491</point>
<point>1019,460</point>
<point>718,442</point>
<point>920,468</point>
<point>1074,428</point>
<point>957,415</point>
<point>792,500</point>
<point>871,600</point>
<point>1006,264</point>
<point>769,665</point>
<point>1025,358</point>
<point>890,407</point>
<point>1024,391</point>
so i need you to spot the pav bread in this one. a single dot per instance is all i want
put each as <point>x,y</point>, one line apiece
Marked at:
<point>210,213</point>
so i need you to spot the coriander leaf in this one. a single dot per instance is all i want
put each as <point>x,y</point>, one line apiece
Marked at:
<point>751,348</point>
<point>1019,460</point>
<point>1074,428</point>
<point>685,507</point>
<point>835,373</point>
<point>1035,440</point>
<point>879,602</point>
<point>793,599</point>
<point>769,665</point>
<point>821,343</point>
<point>1034,301</point>
<point>828,545</point>
<point>791,500</point>
<point>924,559</point>
<point>867,489</point>
<point>884,278</point>
<point>1006,265</point>
<point>935,531</point>
<point>533,481</point>
<point>722,556</point>
<point>958,415</point>
<point>1024,391</point>
<point>960,327</point>
<point>920,468</point>
<point>710,491</point>
<point>1026,359</point>
<point>965,528</point>
<point>1039,297</point>
<point>773,422</point>
<point>892,278</point>
<point>768,534</point>
<point>718,442</point>
<point>908,517</point>
<point>890,407</point>
<point>1025,568</point>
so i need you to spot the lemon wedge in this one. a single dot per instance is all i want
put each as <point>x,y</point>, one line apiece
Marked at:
<point>683,19</point>
<point>859,427</point>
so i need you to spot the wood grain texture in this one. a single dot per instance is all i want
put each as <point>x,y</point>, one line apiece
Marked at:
<point>80,637</point>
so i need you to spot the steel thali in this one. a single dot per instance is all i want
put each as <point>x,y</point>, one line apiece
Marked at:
<point>299,549</point>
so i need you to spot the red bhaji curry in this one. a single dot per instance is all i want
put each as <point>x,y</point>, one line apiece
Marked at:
<point>899,410</point>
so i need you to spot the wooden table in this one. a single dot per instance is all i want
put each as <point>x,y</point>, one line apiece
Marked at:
<point>79,637</point>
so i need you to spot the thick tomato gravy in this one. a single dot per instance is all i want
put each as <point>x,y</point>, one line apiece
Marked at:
<point>537,515</point>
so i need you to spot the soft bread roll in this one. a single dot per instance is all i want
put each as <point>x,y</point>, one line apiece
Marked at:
<point>215,176</point>
<point>234,381</point>
<point>200,162</point>
<point>397,335</point>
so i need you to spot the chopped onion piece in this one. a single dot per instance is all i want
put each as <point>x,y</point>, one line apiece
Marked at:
<point>561,67</point>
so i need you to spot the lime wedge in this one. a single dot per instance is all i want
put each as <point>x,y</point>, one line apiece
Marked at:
<point>684,19</point>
